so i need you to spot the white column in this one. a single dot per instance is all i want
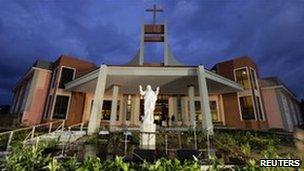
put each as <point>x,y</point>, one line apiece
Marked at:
<point>166,46</point>
<point>114,105</point>
<point>142,45</point>
<point>204,98</point>
<point>192,105</point>
<point>94,123</point>
<point>184,106</point>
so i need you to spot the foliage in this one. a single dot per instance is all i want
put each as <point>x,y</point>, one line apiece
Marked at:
<point>36,157</point>
<point>93,139</point>
<point>90,164</point>
<point>247,147</point>
<point>3,142</point>
<point>70,165</point>
<point>54,165</point>
<point>216,163</point>
<point>29,158</point>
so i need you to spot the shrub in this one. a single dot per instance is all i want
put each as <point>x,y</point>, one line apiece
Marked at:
<point>29,157</point>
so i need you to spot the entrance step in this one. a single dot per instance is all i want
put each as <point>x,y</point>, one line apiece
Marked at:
<point>63,137</point>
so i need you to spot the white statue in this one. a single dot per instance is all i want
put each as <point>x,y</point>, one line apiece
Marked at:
<point>150,98</point>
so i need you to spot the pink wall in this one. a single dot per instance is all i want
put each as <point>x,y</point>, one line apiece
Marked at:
<point>35,104</point>
<point>272,109</point>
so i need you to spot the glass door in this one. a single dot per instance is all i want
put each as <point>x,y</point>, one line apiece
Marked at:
<point>161,112</point>
<point>213,110</point>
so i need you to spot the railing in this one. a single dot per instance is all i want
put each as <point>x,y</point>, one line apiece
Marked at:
<point>193,134</point>
<point>30,131</point>
<point>80,125</point>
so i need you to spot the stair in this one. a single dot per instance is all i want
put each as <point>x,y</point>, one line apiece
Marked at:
<point>63,137</point>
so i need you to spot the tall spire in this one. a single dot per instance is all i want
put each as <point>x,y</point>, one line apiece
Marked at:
<point>151,33</point>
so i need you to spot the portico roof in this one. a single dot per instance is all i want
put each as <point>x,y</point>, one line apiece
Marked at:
<point>170,79</point>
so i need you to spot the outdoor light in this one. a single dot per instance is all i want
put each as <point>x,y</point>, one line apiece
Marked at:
<point>104,132</point>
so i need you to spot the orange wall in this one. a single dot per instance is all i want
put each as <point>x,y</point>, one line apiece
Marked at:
<point>232,114</point>
<point>76,108</point>
<point>35,106</point>
<point>230,101</point>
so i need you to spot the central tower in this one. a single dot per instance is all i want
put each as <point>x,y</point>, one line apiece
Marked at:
<point>153,33</point>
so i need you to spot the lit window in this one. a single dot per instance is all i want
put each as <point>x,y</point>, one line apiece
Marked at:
<point>129,107</point>
<point>242,77</point>
<point>198,111</point>
<point>106,109</point>
<point>61,107</point>
<point>179,108</point>
<point>213,109</point>
<point>247,110</point>
<point>67,75</point>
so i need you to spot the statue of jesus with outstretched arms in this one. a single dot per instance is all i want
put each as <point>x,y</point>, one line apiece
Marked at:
<point>150,98</point>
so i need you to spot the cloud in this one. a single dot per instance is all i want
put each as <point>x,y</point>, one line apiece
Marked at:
<point>200,32</point>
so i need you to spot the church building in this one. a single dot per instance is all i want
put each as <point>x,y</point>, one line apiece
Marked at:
<point>228,95</point>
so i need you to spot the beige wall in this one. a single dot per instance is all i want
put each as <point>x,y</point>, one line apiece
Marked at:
<point>272,108</point>
<point>87,107</point>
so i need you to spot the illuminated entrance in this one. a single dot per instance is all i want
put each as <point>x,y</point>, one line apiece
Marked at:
<point>161,112</point>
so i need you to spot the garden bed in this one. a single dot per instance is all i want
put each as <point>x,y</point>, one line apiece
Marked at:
<point>241,149</point>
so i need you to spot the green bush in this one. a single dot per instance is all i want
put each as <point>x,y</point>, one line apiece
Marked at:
<point>247,147</point>
<point>29,157</point>
<point>41,157</point>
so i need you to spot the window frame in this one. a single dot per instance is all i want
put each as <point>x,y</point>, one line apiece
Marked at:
<point>248,76</point>
<point>61,67</point>
<point>103,109</point>
<point>54,103</point>
<point>255,77</point>
<point>54,74</point>
<point>253,106</point>
<point>129,98</point>
<point>48,106</point>
<point>261,108</point>
<point>256,94</point>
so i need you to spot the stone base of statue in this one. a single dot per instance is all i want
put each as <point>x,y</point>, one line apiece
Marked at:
<point>147,136</point>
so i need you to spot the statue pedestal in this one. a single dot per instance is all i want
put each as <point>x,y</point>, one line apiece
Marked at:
<point>147,136</point>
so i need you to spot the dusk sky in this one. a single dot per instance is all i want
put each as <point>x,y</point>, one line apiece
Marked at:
<point>200,32</point>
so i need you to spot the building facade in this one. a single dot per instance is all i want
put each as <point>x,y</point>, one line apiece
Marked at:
<point>282,106</point>
<point>230,94</point>
<point>30,93</point>
<point>243,109</point>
